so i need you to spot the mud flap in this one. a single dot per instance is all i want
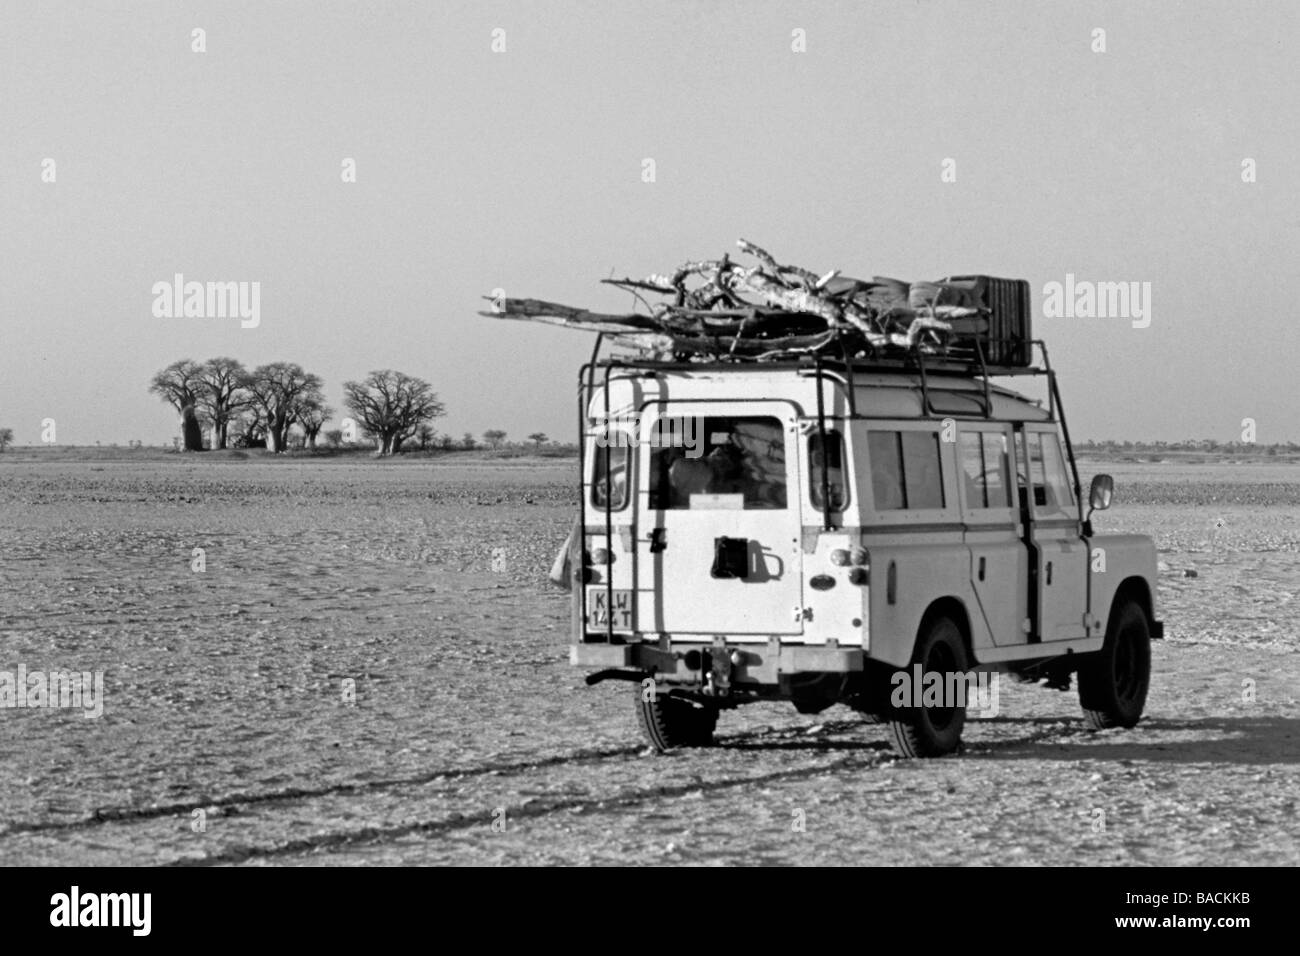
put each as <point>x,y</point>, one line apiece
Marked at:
<point>562,568</point>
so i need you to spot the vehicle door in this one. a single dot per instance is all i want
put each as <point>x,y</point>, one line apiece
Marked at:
<point>1062,553</point>
<point>999,557</point>
<point>718,519</point>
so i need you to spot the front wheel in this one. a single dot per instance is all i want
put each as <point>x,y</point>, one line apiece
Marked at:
<point>1113,683</point>
<point>670,722</point>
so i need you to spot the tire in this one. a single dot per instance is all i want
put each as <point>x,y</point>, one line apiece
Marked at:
<point>1113,683</point>
<point>932,731</point>
<point>670,722</point>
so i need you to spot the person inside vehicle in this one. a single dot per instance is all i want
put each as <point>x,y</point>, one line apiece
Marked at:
<point>719,472</point>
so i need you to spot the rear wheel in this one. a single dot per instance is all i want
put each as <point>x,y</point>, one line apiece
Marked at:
<point>1113,682</point>
<point>670,722</point>
<point>932,731</point>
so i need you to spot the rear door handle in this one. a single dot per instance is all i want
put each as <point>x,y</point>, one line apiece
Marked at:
<point>981,568</point>
<point>658,540</point>
<point>1049,572</point>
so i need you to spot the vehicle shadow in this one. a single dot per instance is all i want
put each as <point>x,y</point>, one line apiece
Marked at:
<point>1226,740</point>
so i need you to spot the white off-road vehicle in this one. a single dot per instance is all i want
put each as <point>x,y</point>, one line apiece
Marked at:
<point>810,530</point>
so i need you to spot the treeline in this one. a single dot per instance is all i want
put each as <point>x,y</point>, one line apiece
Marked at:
<point>1202,445</point>
<point>222,404</point>
<point>243,408</point>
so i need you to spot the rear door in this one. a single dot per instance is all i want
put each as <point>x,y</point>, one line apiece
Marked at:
<point>718,520</point>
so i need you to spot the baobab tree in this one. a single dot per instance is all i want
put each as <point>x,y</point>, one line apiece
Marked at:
<point>222,395</point>
<point>391,406</point>
<point>277,389</point>
<point>180,385</point>
<point>311,413</point>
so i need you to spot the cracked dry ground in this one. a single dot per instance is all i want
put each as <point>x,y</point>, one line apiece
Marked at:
<point>225,738</point>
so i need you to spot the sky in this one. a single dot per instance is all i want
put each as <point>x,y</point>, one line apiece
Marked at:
<point>522,169</point>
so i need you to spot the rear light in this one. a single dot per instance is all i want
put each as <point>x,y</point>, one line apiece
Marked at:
<point>839,557</point>
<point>601,556</point>
<point>859,576</point>
<point>860,556</point>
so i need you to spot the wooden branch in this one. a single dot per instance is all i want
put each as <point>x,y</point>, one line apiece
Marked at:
<point>553,313</point>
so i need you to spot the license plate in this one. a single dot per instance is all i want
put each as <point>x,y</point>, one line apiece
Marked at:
<point>598,614</point>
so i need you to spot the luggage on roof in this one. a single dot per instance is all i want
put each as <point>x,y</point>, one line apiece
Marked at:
<point>720,310</point>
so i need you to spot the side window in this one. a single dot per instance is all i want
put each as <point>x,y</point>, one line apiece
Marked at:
<point>905,470</point>
<point>827,466</point>
<point>922,476</point>
<point>612,451</point>
<point>985,470</point>
<point>886,471</point>
<point>973,475</point>
<point>1059,491</point>
<point>1036,480</point>
<point>1052,490</point>
<point>997,470</point>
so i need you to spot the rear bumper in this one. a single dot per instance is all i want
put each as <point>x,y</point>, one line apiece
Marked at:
<point>758,663</point>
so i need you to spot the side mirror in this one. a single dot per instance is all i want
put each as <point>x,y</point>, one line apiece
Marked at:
<point>1103,489</point>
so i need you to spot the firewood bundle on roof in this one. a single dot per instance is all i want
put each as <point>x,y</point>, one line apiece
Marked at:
<point>719,308</point>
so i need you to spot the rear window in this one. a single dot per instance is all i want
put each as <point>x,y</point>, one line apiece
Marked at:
<point>737,463</point>
<point>905,470</point>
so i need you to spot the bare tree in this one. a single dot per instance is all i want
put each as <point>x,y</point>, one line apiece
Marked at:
<point>425,434</point>
<point>311,413</point>
<point>494,437</point>
<point>538,438</point>
<point>180,385</point>
<point>276,389</point>
<point>6,438</point>
<point>391,406</point>
<point>222,395</point>
<point>249,429</point>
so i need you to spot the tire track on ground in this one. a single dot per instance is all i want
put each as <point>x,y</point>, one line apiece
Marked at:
<point>448,775</point>
<point>457,822</point>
